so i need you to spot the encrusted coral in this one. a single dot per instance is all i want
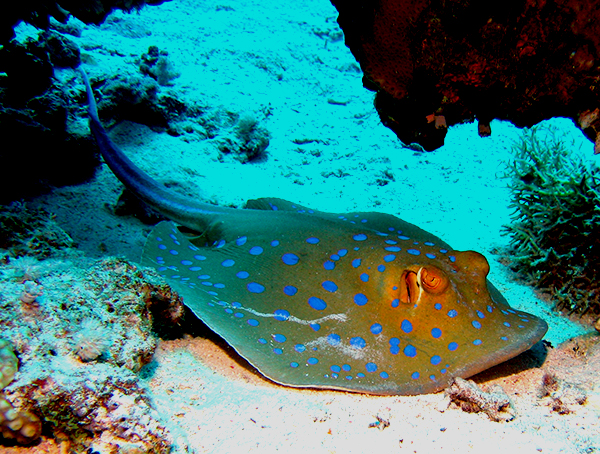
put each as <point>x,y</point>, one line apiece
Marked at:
<point>82,350</point>
<point>22,426</point>
<point>8,364</point>
<point>555,227</point>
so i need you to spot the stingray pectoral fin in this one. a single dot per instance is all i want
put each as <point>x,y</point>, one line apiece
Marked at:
<point>384,223</point>
<point>276,204</point>
<point>530,335</point>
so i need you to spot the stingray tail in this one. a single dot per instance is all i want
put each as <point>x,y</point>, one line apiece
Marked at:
<point>183,210</point>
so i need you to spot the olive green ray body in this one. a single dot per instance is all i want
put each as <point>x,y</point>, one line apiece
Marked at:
<point>313,299</point>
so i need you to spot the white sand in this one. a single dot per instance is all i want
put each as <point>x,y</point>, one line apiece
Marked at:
<point>283,58</point>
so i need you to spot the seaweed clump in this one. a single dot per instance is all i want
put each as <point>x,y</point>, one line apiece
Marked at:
<point>555,226</point>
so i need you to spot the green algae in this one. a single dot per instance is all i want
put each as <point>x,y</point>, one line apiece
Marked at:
<point>555,229</point>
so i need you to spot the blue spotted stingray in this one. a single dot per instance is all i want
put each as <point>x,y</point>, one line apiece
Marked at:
<point>358,301</point>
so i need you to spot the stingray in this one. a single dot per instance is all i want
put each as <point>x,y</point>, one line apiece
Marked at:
<point>362,302</point>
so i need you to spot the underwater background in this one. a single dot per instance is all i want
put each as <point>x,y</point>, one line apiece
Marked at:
<point>228,102</point>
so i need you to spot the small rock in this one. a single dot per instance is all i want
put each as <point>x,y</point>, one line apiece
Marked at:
<point>470,398</point>
<point>561,396</point>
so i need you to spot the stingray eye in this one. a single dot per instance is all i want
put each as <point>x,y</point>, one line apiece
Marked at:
<point>433,280</point>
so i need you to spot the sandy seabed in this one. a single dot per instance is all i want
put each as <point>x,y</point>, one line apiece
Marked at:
<point>288,66</point>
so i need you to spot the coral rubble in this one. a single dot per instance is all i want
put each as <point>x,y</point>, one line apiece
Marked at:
<point>555,227</point>
<point>560,395</point>
<point>82,331</point>
<point>157,65</point>
<point>470,398</point>
<point>522,61</point>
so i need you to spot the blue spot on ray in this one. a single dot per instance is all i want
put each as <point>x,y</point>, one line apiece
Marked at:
<point>406,326</point>
<point>279,338</point>
<point>410,351</point>
<point>253,287</point>
<point>330,286</point>
<point>360,299</point>
<point>290,290</point>
<point>371,367</point>
<point>281,315</point>
<point>376,328</point>
<point>317,303</point>
<point>358,342</point>
<point>333,339</point>
<point>290,259</point>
